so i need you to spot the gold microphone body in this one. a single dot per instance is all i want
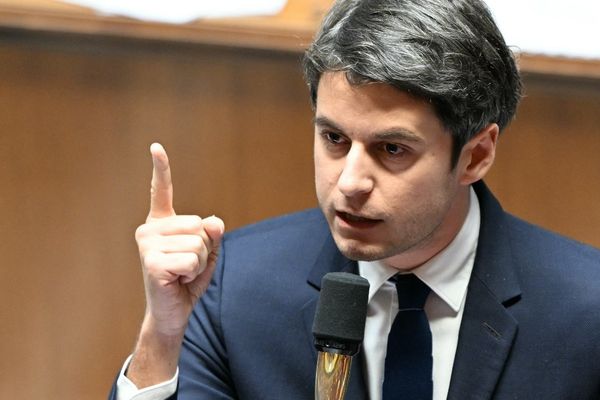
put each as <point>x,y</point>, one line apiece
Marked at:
<point>333,373</point>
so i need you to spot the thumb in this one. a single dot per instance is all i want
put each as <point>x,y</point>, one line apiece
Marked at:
<point>214,228</point>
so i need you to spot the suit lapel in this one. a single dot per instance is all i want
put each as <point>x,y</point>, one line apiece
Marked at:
<point>487,330</point>
<point>486,337</point>
<point>331,260</point>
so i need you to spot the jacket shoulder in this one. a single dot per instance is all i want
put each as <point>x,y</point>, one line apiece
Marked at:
<point>301,222</point>
<point>534,241</point>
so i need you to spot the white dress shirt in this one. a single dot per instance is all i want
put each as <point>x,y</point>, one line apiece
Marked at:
<point>447,275</point>
<point>126,390</point>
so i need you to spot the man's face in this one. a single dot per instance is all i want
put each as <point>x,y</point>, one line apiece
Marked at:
<point>383,173</point>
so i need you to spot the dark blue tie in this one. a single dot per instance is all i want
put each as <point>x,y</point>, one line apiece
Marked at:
<point>409,359</point>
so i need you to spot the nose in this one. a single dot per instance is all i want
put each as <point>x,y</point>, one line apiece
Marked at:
<point>356,177</point>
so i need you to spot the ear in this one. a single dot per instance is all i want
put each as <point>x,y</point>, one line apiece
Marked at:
<point>477,155</point>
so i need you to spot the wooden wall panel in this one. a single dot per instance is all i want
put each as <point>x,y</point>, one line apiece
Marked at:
<point>76,121</point>
<point>548,165</point>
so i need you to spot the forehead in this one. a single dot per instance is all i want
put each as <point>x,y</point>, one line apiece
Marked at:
<point>359,109</point>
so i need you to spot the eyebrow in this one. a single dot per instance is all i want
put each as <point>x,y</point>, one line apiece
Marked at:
<point>389,134</point>
<point>324,121</point>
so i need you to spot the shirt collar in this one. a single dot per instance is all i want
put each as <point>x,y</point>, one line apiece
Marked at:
<point>448,272</point>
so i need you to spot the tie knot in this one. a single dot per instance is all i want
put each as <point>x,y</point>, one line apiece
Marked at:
<point>412,292</point>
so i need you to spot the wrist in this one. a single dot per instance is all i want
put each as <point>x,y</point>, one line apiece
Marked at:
<point>155,356</point>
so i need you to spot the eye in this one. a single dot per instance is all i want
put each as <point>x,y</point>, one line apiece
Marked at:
<point>333,137</point>
<point>335,144</point>
<point>393,149</point>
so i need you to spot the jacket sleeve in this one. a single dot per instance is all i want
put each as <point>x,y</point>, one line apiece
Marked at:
<point>203,364</point>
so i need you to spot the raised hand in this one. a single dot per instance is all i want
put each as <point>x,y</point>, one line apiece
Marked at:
<point>178,255</point>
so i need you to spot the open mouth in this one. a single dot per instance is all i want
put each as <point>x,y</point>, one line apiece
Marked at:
<point>356,221</point>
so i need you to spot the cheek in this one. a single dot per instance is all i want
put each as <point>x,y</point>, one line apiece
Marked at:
<point>320,174</point>
<point>417,188</point>
<point>322,178</point>
<point>325,175</point>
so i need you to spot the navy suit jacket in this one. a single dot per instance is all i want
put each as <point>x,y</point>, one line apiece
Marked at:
<point>530,329</point>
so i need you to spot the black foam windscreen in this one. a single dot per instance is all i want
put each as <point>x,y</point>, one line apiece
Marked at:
<point>342,308</point>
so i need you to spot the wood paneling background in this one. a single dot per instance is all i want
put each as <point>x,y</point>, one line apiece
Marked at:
<point>548,165</point>
<point>77,115</point>
<point>76,121</point>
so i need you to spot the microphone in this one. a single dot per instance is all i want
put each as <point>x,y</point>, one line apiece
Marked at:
<point>338,330</point>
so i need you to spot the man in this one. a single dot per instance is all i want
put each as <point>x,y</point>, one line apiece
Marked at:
<point>410,97</point>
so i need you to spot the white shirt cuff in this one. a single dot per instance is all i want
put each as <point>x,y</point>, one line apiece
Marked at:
<point>126,390</point>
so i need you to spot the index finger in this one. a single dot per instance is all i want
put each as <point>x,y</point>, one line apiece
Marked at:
<point>161,191</point>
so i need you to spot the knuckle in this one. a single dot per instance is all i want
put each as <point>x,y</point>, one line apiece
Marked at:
<point>195,264</point>
<point>197,244</point>
<point>195,222</point>
<point>146,240</point>
<point>201,255</point>
<point>141,232</point>
<point>202,260</point>
<point>152,262</point>
<point>191,265</point>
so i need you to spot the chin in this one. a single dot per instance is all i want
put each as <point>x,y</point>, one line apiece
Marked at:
<point>360,251</point>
